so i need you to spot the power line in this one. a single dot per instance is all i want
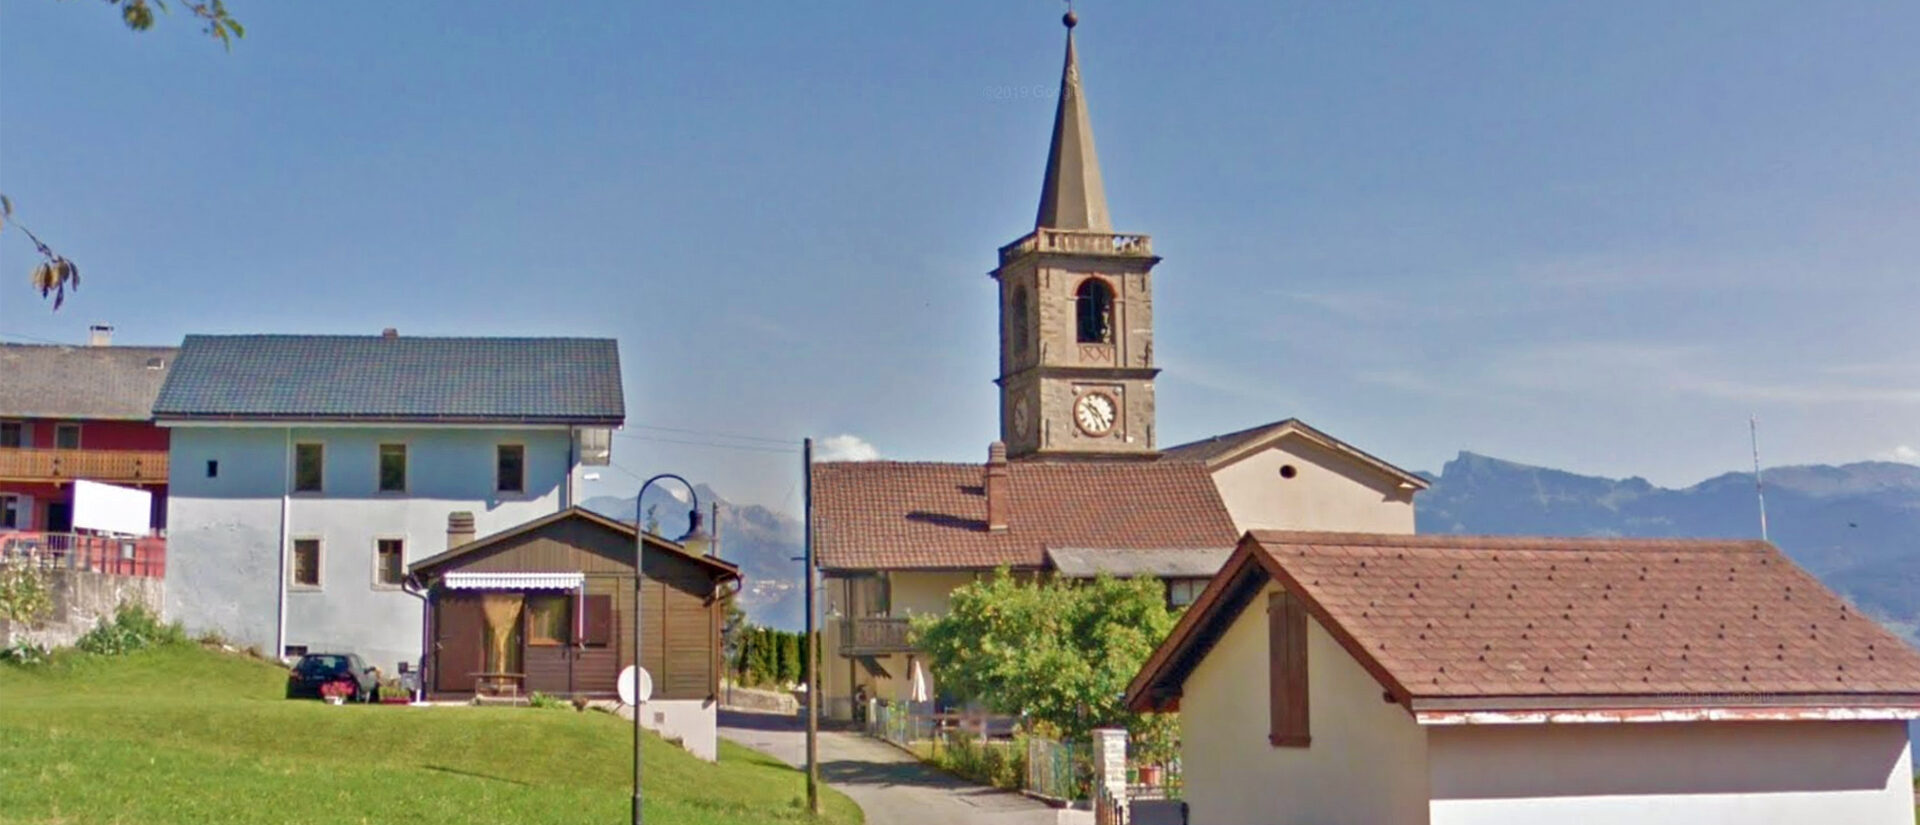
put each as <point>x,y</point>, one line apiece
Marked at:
<point>753,448</point>
<point>783,441</point>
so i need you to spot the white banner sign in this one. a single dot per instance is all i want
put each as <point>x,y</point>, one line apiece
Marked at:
<point>111,509</point>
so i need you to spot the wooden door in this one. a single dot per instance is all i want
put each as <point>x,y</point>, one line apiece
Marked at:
<point>459,637</point>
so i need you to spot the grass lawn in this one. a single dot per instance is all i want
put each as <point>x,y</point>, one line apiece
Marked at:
<point>185,735</point>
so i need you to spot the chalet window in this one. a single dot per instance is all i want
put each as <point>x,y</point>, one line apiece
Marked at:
<point>13,434</point>
<point>599,621</point>
<point>11,512</point>
<point>66,436</point>
<point>306,563</point>
<point>1093,305</point>
<point>510,468</point>
<point>549,621</point>
<point>1287,671</point>
<point>1182,592</point>
<point>393,468</point>
<point>309,468</point>
<point>389,562</point>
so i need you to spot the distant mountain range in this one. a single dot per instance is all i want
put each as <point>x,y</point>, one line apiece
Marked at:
<point>1856,526</point>
<point>764,543</point>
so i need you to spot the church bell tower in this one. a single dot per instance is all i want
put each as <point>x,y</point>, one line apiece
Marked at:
<point>1076,310</point>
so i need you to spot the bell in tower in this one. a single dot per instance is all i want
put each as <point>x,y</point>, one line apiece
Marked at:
<point>1076,309</point>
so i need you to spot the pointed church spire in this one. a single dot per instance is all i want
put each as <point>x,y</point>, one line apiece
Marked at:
<point>1072,197</point>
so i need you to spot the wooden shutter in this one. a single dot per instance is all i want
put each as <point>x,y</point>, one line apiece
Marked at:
<point>599,621</point>
<point>1287,671</point>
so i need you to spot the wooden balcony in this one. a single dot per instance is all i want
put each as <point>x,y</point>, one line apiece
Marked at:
<point>124,466</point>
<point>875,636</point>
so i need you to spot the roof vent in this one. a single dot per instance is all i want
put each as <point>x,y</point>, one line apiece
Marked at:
<point>998,486</point>
<point>156,363</point>
<point>389,332</point>
<point>459,528</point>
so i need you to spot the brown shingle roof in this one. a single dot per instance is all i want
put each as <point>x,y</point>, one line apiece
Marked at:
<point>890,515</point>
<point>1474,622</point>
<point>94,383</point>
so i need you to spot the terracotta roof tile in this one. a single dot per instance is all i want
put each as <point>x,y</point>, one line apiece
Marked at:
<point>899,515</point>
<point>1470,616</point>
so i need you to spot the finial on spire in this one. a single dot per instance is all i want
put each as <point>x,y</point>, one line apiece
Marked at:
<point>1072,196</point>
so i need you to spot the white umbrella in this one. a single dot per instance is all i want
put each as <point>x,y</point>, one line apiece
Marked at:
<point>922,685</point>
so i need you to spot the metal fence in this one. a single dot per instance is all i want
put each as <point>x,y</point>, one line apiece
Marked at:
<point>145,556</point>
<point>899,723</point>
<point>1059,771</point>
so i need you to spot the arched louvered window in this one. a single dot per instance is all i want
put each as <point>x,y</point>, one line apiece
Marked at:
<point>1093,303</point>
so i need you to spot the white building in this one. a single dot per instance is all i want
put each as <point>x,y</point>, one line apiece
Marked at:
<point>1461,680</point>
<point>308,472</point>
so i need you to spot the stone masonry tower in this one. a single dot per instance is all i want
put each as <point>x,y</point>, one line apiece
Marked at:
<point>1076,310</point>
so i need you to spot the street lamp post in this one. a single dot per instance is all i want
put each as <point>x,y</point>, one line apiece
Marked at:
<point>639,591</point>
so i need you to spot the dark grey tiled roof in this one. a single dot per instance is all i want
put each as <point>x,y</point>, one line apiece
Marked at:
<point>116,383</point>
<point>557,380</point>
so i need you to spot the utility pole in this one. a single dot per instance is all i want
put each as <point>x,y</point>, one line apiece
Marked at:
<point>1759,486</point>
<point>813,644</point>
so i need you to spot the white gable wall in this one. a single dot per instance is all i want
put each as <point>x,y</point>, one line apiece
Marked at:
<point>224,543</point>
<point>1739,773</point>
<point>1329,491</point>
<point>1367,764</point>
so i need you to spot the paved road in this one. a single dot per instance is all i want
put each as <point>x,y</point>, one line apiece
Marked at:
<point>889,785</point>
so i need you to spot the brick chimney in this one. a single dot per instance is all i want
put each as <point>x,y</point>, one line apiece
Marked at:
<point>999,486</point>
<point>459,528</point>
<point>100,335</point>
<point>390,333</point>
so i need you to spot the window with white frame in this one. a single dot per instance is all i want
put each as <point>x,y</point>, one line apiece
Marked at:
<point>66,436</point>
<point>1182,592</point>
<point>389,562</point>
<point>305,568</point>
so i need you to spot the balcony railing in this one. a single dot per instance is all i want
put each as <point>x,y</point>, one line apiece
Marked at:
<point>143,556</point>
<point>22,464</point>
<point>1079,242</point>
<point>875,636</point>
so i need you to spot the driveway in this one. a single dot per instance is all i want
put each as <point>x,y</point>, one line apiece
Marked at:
<point>892,787</point>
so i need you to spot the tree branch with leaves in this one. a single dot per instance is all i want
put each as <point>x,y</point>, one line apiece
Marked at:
<point>55,274</point>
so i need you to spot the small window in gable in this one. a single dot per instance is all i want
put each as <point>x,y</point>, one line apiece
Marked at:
<point>1287,671</point>
<point>1093,305</point>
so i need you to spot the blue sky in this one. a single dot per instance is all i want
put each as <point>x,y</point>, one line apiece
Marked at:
<point>1592,236</point>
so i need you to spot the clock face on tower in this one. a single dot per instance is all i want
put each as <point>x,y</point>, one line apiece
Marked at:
<point>1095,413</point>
<point>1022,418</point>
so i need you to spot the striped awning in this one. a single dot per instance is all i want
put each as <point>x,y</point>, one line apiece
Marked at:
<point>515,581</point>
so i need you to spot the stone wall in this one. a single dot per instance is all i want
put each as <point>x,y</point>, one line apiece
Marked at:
<point>81,599</point>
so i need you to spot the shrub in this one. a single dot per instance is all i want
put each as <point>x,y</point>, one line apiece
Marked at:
<point>542,700</point>
<point>26,654</point>
<point>133,627</point>
<point>24,596</point>
<point>1000,764</point>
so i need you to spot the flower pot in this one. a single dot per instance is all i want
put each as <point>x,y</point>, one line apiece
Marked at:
<point>1150,775</point>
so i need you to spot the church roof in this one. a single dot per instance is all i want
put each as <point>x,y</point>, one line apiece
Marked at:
<point>1221,450</point>
<point>1072,196</point>
<point>1562,629</point>
<point>895,515</point>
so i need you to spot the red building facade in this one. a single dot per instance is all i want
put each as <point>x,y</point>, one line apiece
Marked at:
<point>78,413</point>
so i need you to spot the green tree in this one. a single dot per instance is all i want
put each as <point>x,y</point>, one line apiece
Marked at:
<point>1059,652</point>
<point>789,658</point>
<point>54,275</point>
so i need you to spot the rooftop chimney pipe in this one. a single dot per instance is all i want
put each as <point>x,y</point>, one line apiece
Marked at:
<point>389,332</point>
<point>100,335</point>
<point>999,486</point>
<point>459,528</point>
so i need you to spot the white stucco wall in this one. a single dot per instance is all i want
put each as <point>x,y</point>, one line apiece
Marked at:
<point>695,722</point>
<point>1737,773</point>
<point>224,545</point>
<point>1366,765</point>
<point>1329,491</point>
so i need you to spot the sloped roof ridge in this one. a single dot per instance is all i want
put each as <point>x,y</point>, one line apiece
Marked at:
<point>1454,541</point>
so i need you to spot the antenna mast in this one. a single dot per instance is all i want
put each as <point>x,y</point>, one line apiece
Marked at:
<point>1759,485</point>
